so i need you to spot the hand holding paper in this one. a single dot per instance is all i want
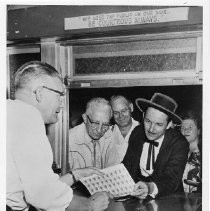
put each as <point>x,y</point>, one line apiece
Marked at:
<point>85,172</point>
<point>141,190</point>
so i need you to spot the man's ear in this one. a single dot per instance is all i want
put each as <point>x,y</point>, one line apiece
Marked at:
<point>169,125</point>
<point>39,94</point>
<point>84,116</point>
<point>131,107</point>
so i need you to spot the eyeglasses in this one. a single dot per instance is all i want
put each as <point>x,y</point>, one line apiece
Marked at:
<point>94,125</point>
<point>56,91</point>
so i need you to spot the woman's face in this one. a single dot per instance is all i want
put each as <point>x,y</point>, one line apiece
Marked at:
<point>190,130</point>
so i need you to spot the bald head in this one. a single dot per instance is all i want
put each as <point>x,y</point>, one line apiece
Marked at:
<point>100,105</point>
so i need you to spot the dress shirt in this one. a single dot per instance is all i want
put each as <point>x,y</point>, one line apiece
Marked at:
<point>85,152</point>
<point>143,161</point>
<point>120,141</point>
<point>30,179</point>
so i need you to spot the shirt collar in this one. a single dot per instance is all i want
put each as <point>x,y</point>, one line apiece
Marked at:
<point>160,140</point>
<point>134,124</point>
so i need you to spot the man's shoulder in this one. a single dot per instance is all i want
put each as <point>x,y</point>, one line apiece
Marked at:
<point>18,110</point>
<point>77,134</point>
<point>77,129</point>
<point>137,134</point>
<point>175,136</point>
<point>134,122</point>
<point>172,132</point>
<point>138,130</point>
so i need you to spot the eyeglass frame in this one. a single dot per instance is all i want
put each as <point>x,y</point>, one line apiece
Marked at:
<point>54,90</point>
<point>97,123</point>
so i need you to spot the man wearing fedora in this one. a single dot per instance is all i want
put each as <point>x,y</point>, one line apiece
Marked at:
<point>157,154</point>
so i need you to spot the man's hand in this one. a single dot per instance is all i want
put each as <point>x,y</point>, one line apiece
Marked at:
<point>85,172</point>
<point>99,201</point>
<point>141,190</point>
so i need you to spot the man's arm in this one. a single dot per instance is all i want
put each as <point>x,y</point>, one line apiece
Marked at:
<point>110,154</point>
<point>76,174</point>
<point>168,179</point>
<point>132,156</point>
<point>72,154</point>
<point>77,152</point>
<point>33,159</point>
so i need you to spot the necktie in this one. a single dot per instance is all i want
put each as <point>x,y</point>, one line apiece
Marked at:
<point>151,153</point>
<point>94,154</point>
<point>97,160</point>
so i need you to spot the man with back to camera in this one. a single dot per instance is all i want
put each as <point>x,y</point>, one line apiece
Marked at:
<point>157,154</point>
<point>90,143</point>
<point>122,112</point>
<point>30,179</point>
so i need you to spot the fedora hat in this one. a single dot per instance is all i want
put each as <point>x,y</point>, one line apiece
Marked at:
<point>161,102</point>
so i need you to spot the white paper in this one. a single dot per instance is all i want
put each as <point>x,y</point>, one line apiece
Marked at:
<point>116,180</point>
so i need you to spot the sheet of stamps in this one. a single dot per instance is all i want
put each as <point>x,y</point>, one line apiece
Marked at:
<point>116,180</point>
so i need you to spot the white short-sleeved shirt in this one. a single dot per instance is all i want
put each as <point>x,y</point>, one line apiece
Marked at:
<point>30,179</point>
<point>120,141</point>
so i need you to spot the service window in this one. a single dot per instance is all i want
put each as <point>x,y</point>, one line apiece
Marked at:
<point>166,58</point>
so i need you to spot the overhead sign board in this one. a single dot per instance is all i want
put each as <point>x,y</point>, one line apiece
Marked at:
<point>127,18</point>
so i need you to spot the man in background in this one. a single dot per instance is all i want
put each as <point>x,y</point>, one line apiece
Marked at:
<point>90,143</point>
<point>122,112</point>
<point>30,178</point>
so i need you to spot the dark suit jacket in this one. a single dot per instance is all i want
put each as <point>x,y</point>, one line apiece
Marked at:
<point>169,165</point>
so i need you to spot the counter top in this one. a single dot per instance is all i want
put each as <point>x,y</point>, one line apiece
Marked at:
<point>174,202</point>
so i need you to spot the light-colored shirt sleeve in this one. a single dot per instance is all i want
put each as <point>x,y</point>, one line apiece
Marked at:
<point>32,158</point>
<point>112,156</point>
<point>79,152</point>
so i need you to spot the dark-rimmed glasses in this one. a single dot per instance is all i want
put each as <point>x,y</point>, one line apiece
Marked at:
<point>94,125</point>
<point>56,91</point>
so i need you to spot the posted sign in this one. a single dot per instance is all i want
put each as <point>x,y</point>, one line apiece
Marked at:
<point>127,18</point>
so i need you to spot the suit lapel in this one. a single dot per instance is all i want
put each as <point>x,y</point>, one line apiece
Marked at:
<point>164,149</point>
<point>137,145</point>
